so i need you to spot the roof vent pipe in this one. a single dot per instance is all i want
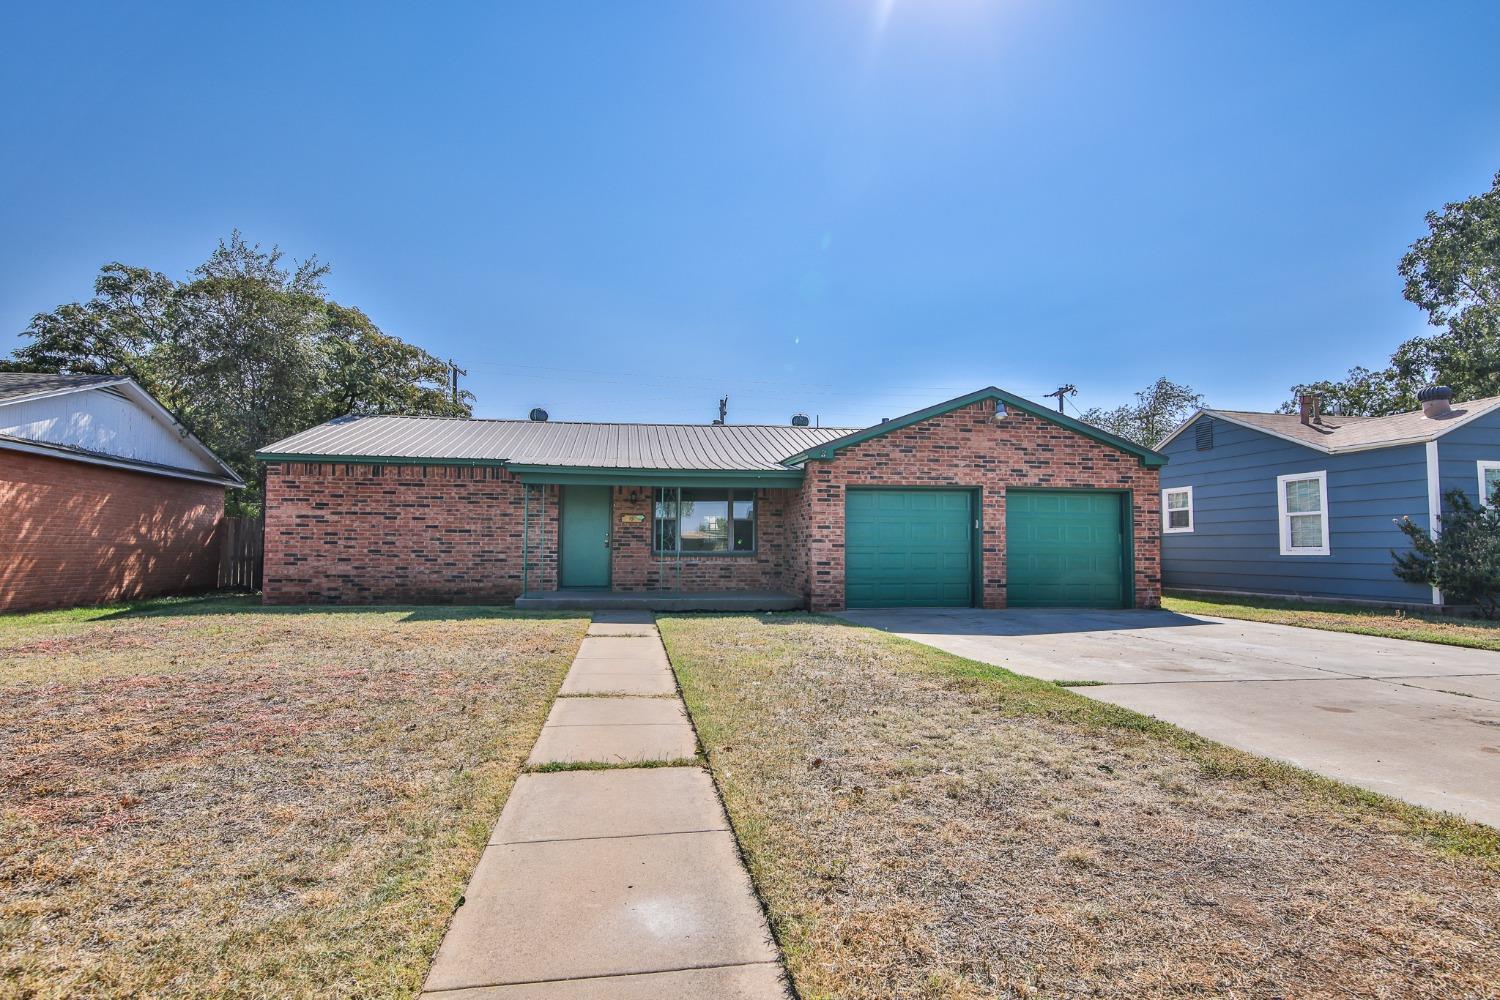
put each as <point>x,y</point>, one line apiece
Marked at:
<point>800,420</point>
<point>539,415</point>
<point>1436,400</point>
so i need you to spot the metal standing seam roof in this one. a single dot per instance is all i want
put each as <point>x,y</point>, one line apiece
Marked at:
<point>19,385</point>
<point>684,447</point>
<point>1336,433</point>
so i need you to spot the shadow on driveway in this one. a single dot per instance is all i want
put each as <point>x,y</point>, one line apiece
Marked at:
<point>1014,621</point>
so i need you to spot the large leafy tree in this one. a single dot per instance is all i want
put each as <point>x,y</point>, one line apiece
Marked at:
<point>1453,274</point>
<point>1157,409</point>
<point>248,349</point>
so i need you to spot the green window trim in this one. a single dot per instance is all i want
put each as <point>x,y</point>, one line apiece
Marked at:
<point>666,528</point>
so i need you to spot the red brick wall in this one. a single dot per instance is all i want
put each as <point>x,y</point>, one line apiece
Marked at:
<point>635,567</point>
<point>969,448</point>
<point>73,533</point>
<point>350,533</point>
<point>355,534</point>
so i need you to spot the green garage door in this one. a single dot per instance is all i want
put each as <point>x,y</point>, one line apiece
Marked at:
<point>908,548</point>
<point>1064,549</point>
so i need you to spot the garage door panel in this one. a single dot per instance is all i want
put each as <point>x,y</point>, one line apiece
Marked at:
<point>1064,549</point>
<point>909,548</point>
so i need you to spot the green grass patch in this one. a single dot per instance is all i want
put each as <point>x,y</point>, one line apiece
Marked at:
<point>1474,633</point>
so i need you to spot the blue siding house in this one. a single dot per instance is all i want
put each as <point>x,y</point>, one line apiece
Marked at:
<point>1305,504</point>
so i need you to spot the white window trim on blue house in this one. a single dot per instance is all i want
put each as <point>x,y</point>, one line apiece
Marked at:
<point>1166,510</point>
<point>1284,516</point>
<point>1485,468</point>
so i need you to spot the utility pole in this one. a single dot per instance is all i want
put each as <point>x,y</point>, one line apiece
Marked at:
<point>1062,392</point>
<point>453,373</point>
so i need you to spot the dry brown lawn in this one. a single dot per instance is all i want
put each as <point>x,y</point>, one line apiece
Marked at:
<point>216,799</point>
<point>923,826</point>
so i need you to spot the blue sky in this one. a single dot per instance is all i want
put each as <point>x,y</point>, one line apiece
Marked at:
<point>848,207</point>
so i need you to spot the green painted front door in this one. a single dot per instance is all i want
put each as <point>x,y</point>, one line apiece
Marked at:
<point>908,548</point>
<point>584,559</point>
<point>1064,549</point>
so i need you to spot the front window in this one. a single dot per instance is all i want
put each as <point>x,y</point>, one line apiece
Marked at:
<point>703,520</point>
<point>1177,509</point>
<point>1303,503</point>
<point>1489,483</point>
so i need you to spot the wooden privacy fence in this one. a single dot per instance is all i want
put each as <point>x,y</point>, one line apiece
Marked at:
<point>240,553</point>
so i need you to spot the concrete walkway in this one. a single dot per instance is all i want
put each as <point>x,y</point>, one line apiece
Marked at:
<point>623,883</point>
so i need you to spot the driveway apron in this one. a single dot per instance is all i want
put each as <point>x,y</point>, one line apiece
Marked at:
<point>611,883</point>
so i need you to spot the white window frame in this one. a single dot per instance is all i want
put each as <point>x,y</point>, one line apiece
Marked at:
<point>1485,465</point>
<point>1284,517</point>
<point>1166,525</point>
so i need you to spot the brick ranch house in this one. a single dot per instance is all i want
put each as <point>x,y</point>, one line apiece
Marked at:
<point>988,500</point>
<point>104,496</point>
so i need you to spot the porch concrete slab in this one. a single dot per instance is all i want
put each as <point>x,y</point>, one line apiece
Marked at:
<point>618,665</point>
<point>616,712</point>
<point>649,683</point>
<point>580,909</point>
<point>762,981</point>
<point>659,600</point>
<point>645,649</point>
<point>613,744</point>
<point>580,805</point>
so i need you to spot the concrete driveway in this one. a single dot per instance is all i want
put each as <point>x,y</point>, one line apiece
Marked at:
<point>1410,719</point>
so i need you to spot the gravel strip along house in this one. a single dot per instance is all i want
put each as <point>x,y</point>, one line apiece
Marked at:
<point>987,500</point>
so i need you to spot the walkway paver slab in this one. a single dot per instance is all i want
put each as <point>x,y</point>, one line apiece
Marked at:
<point>741,982</point>
<point>616,712</point>
<point>575,805</point>
<point>613,744</point>
<point>644,649</point>
<point>618,665</point>
<point>576,909</point>
<point>655,682</point>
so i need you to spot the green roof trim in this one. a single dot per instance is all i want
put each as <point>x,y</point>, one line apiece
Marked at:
<point>1149,458</point>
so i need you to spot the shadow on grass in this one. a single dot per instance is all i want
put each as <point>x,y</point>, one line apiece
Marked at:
<point>250,604</point>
